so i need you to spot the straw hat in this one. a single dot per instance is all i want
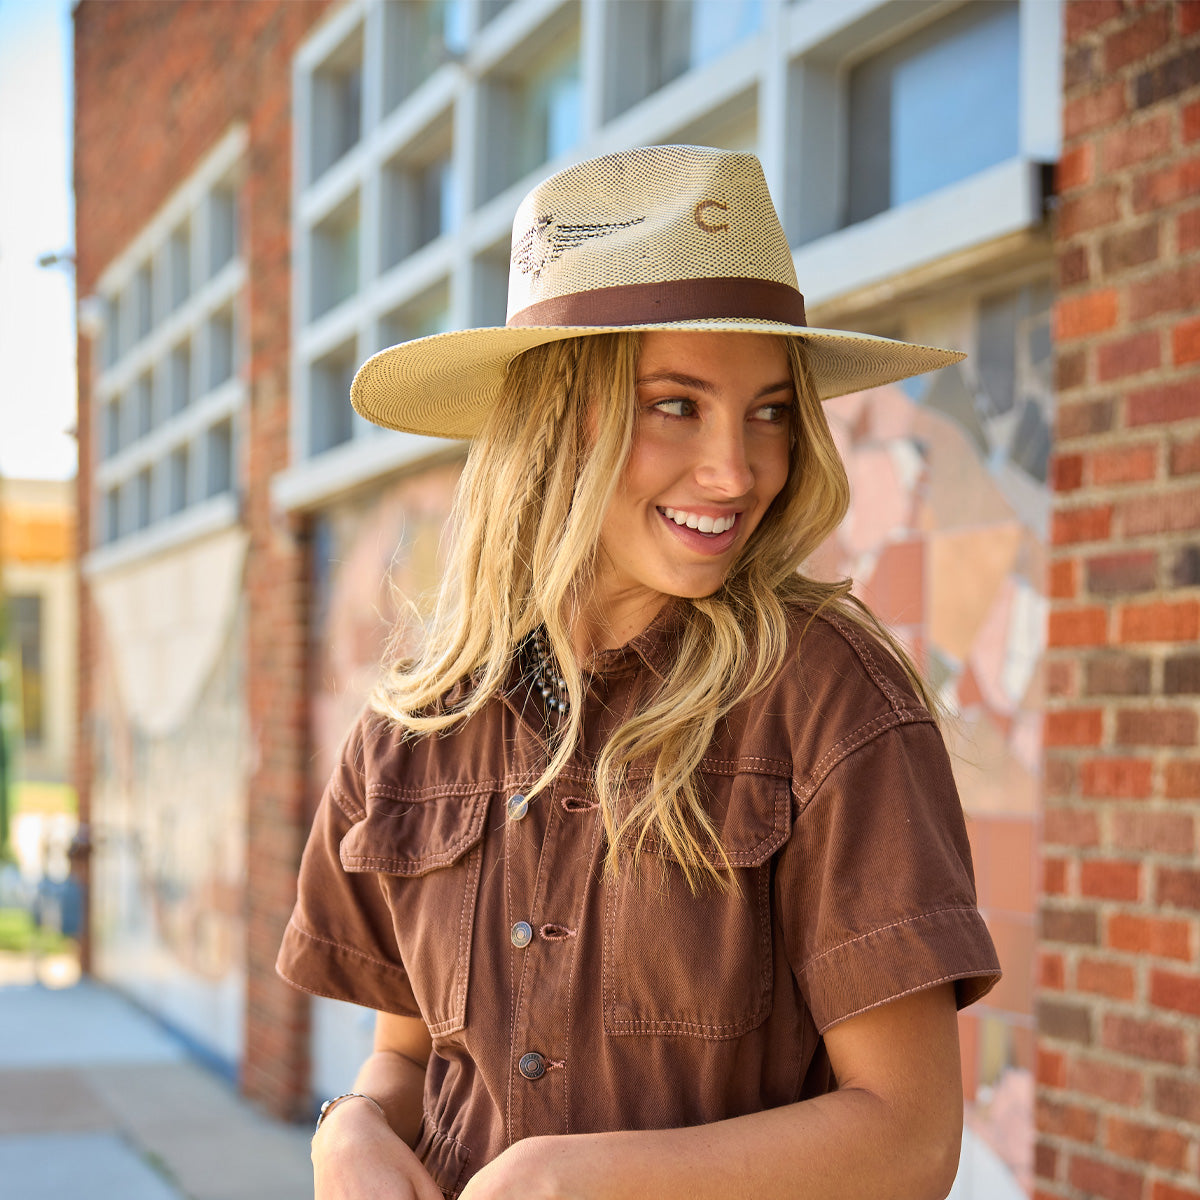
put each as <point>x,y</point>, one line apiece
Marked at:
<point>661,237</point>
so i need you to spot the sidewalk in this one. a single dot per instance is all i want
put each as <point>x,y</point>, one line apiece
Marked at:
<point>97,1101</point>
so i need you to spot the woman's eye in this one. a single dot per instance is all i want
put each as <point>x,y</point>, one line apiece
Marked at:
<point>674,407</point>
<point>774,413</point>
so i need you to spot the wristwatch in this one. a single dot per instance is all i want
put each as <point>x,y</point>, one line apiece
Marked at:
<point>332,1103</point>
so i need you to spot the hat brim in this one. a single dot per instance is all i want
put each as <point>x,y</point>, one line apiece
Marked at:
<point>445,384</point>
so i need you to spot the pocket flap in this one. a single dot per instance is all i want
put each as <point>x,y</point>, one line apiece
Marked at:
<point>752,813</point>
<point>413,836</point>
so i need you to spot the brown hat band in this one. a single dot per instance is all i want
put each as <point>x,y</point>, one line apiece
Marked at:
<point>672,300</point>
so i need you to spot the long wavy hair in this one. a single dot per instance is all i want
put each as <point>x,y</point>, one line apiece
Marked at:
<point>526,527</point>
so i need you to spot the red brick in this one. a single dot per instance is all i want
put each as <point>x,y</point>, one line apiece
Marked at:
<point>1185,457</point>
<point>1117,675</point>
<point>1082,419</point>
<point>1045,1166</point>
<point>1089,210</point>
<point>1071,1121</point>
<point>1136,39</point>
<point>1129,248</point>
<point>1174,290</point>
<point>1073,267</point>
<point>1070,827</point>
<point>1156,727</point>
<point>1085,315</point>
<point>1078,627</point>
<point>1114,574</point>
<point>1179,886</point>
<point>1094,1178</point>
<point>1182,779</point>
<point>1110,879</point>
<point>1064,1022</point>
<point>1134,355</point>
<point>1181,675</point>
<point>1060,679</point>
<point>1146,1144</point>
<point>1155,832</point>
<point>1136,143</point>
<point>1066,470</point>
<point>1105,1081</point>
<point>1059,779</point>
<point>1054,876</point>
<point>1116,778</point>
<point>1051,1070</point>
<point>1096,975</point>
<point>1159,512</point>
<point>1141,1038</point>
<point>1075,727</point>
<point>1083,17</point>
<point>1167,77</point>
<point>1189,19</point>
<point>1160,937</point>
<point>1178,1098</point>
<point>1189,116</point>
<point>1052,971</point>
<point>1088,524</point>
<point>1076,926</point>
<point>1187,230</point>
<point>1185,342</point>
<point>1063,583</point>
<point>1094,111</point>
<point>1124,464</point>
<point>1162,621</point>
<point>1179,993</point>
<point>1162,1190</point>
<point>1074,168</point>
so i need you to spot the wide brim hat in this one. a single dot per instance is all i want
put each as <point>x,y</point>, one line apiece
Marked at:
<point>659,237</point>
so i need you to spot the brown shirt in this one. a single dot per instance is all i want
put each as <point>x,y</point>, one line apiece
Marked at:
<point>562,1000</point>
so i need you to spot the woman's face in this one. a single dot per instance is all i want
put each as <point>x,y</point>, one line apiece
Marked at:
<point>711,447</point>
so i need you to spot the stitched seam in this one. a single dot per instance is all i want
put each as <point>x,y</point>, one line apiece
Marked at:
<point>345,803</point>
<point>883,929</point>
<point>868,659</point>
<point>316,937</point>
<point>315,991</point>
<point>434,791</point>
<point>852,741</point>
<point>920,987</point>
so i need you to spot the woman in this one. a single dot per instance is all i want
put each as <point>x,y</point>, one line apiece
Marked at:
<point>651,861</point>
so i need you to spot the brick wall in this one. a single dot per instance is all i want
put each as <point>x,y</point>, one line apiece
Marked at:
<point>156,86</point>
<point>1118,1101</point>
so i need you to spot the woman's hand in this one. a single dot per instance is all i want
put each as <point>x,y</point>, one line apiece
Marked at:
<point>356,1156</point>
<point>538,1168</point>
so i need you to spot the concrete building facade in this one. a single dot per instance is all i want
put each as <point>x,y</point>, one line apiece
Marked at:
<point>316,181</point>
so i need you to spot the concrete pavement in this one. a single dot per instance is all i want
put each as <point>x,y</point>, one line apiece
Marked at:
<point>97,1101</point>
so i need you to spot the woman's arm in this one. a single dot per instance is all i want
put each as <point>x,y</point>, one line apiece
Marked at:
<point>892,1129</point>
<point>356,1154</point>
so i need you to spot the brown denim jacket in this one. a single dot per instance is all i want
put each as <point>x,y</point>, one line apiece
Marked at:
<point>563,1000</point>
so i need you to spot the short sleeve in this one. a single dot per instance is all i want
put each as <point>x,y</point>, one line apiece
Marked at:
<point>340,941</point>
<point>875,887</point>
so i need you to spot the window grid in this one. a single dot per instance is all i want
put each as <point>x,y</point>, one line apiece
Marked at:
<point>459,105</point>
<point>168,393</point>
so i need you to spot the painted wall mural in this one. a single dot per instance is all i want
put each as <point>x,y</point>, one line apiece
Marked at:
<point>169,791</point>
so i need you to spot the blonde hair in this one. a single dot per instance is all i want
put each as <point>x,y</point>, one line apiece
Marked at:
<point>526,526</point>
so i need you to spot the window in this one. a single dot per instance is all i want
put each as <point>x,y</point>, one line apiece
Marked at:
<point>933,109</point>
<point>335,258</point>
<point>419,197</point>
<point>656,41</point>
<point>329,392</point>
<point>171,384</point>
<point>336,105</point>
<point>532,116</point>
<point>419,35</point>
<point>26,624</point>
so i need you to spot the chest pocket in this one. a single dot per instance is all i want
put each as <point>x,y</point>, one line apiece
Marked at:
<point>427,852</point>
<point>698,965</point>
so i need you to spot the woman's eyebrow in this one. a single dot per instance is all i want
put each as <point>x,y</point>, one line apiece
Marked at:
<point>703,385</point>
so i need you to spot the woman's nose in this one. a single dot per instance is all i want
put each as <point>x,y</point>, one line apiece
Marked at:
<point>724,466</point>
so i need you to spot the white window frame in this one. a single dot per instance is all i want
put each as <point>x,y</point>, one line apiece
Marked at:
<point>151,354</point>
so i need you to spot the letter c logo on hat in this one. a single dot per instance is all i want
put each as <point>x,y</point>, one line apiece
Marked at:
<point>700,216</point>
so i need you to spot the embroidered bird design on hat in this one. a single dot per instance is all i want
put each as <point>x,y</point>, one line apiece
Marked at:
<point>546,240</point>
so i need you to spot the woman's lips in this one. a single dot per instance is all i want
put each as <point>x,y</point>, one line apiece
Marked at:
<point>703,543</point>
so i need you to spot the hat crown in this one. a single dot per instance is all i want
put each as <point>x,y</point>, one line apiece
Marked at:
<point>652,215</point>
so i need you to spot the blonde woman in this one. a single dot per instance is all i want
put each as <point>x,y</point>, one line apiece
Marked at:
<point>650,861</point>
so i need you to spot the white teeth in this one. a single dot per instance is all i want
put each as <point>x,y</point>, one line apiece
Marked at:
<point>702,524</point>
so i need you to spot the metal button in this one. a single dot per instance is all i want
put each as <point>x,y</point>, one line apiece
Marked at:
<point>532,1065</point>
<point>522,934</point>
<point>518,806</point>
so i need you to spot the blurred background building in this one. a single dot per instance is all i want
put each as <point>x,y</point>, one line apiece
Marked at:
<point>267,193</point>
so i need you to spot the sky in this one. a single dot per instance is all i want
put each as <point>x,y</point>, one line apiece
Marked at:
<point>37,318</point>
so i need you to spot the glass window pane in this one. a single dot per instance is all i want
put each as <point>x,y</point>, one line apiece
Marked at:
<point>330,414</point>
<point>335,258</point>
<point>26,630</point>
<point>220,458</point>
<point>337,104</point>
